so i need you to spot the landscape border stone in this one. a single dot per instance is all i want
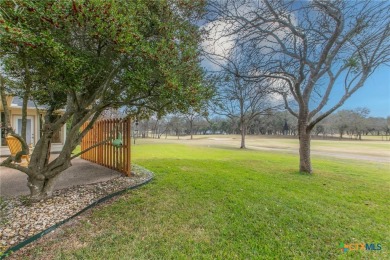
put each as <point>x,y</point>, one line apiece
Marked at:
<point>31,239</point>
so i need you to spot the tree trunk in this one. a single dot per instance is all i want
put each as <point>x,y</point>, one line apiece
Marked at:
<point>304,149</point>
<point>44,173</point>
<point>7,119</point>
<point>191,126</point>
<point>23,131</point>
<point>26,96</point>
<point>41,172</point>
<point>243,134</point>
<point>242,140</point>
<point>41,187</point>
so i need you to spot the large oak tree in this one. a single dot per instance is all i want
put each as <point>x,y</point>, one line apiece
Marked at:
<point>318,52</point>
<point>83,57</point>
<point>237,97</point>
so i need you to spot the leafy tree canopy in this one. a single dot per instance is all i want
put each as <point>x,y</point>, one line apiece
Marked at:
<point>85,56</point>
<point>104,53</point>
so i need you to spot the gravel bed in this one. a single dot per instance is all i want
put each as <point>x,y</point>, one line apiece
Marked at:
<point>20,218</point>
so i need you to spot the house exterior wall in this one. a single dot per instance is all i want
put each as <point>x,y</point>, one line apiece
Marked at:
<point>16,112</point>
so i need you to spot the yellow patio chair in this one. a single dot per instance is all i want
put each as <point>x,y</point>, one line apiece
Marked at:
<point>15,146</point>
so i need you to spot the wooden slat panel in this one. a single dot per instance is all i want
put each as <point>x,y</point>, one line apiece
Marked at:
<point>110,150</point>
<point>117,158</point>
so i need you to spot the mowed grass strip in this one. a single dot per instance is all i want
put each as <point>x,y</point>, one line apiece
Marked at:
<point>208,203</point>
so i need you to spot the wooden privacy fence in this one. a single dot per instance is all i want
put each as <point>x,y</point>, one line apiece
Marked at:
<point>106,154</point>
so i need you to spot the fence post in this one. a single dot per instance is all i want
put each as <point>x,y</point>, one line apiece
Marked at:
<point>105,144</point>
<point>100,139</point>
<point>128,147</point>
<point>82,145</point>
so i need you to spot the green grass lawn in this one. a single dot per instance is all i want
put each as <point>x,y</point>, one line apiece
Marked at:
<point>379,149</point>
<point>208,203</point>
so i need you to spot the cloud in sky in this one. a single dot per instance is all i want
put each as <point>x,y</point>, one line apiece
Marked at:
<point>218,45</point>
<point>225,31</point>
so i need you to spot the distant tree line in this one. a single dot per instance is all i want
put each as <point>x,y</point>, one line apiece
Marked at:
<point>352,124</point>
